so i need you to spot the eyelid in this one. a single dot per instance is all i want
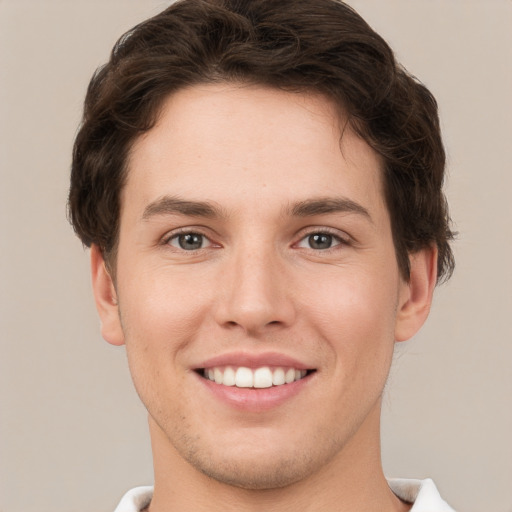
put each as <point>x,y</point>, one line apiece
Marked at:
<point>197,230</point>
<point>342,237</point>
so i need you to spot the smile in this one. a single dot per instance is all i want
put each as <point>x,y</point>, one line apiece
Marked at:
<point>262,377</point>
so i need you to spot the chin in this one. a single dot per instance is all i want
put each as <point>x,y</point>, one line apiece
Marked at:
<point>259,463</point>
<point>256,474</point>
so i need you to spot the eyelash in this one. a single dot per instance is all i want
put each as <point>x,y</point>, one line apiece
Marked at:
<point>340,240</point>
<point>183,232</point>
<point>335,235</point>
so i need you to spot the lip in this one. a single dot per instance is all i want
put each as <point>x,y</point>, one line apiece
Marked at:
<point>255,400</point>
<point>254,361</point>
<point>251,399</point>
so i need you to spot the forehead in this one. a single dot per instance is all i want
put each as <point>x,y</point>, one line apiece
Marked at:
<point>246,144</point>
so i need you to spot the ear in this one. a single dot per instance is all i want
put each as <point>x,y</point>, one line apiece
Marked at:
<point>416,294</point>
<point>105,296</point>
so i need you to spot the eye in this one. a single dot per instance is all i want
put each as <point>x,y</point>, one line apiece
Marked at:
<point>189,241</point>
<point>319,241</point>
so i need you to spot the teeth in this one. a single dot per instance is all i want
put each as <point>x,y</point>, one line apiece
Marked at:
<point>263,377</point>
<point>229,378</point>
<point>244,378</point>
<point>278,378</point>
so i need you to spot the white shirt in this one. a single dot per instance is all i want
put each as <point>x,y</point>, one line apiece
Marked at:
<point>423,493</point>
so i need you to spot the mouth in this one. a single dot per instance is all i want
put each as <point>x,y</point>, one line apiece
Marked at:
<point>256,378</point>
<point>255,383</point>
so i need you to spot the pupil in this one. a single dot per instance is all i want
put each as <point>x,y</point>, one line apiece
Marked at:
<point>320,241</point>
<point>190,241</point>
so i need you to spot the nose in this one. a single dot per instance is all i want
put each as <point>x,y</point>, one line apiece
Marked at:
<point>255,292</point>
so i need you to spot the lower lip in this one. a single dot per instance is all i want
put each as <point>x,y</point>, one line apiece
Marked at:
<point>256,400</point>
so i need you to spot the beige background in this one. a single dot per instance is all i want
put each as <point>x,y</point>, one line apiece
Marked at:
<point>72,433</point>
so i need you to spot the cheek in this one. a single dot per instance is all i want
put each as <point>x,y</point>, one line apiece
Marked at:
<point>356,316</point>
<point>159,317</point>
<point>160,302</point>
<point>356,299</point>
<point>158,327</point>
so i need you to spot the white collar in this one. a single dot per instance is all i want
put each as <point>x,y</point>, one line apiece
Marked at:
<point>423,493</point>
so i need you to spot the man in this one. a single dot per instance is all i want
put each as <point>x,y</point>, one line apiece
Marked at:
<point>260,186</point>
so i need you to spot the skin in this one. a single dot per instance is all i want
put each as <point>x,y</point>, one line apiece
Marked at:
<point>257,285</point>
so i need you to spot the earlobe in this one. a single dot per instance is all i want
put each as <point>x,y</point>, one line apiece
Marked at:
<point>105,297</point>
<point>416,294</point>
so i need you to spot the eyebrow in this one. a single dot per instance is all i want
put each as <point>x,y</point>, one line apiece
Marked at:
<point>326,205</point>
<point>168,205</point>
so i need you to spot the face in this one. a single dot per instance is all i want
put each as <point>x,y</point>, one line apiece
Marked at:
<point>258,293</point>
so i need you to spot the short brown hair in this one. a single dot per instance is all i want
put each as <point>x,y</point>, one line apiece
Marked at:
<point>298,45</point>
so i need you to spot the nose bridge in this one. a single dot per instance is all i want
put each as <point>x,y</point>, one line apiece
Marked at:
<point>255,296</point>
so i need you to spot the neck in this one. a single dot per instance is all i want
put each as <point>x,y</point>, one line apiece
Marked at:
<point>352,481</point>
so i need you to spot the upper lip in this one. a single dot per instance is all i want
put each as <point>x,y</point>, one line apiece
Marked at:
<point>249,360</point>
